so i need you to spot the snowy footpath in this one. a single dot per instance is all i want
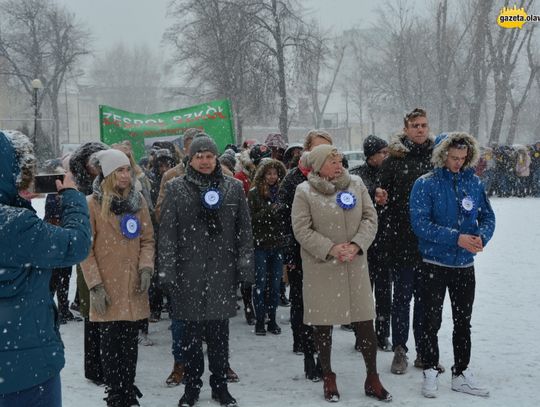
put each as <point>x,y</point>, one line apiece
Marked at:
<point>505,326</point>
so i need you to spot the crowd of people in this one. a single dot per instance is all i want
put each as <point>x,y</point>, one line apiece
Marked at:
<point>189,231</point>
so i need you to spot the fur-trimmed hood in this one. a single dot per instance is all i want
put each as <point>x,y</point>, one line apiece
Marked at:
<point>399,146</point>
<point>442,144</point>
<point>77,164</point>
<point>266,164</point>
<point>17,165</point>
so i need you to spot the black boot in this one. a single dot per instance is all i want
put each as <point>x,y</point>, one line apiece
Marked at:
<point>190,397</point>
<point>312,370</point>
<point>273,327</point>
<point>224,397</point>
<point>259,328</point>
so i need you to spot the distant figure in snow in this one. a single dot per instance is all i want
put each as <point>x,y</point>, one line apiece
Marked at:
<point>452,217</point>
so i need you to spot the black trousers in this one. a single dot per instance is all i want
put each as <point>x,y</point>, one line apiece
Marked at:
<point>381,284</point>
<point>302,333</point>
<point>118,354</point>
<point>92,360</point>
<point>59,285</point>
<point>461,286</point>
<point>216,335</point>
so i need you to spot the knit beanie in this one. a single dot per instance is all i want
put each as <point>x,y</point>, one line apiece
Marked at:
<point>202,142</point>
<point>372,145</point>
<point>228,158</point>
<point>275,140</point>
<point>316,158</point>
<point>258,152</point>
<point>111,159</point>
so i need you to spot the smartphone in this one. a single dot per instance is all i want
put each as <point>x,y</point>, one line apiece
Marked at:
<point>46,183</point>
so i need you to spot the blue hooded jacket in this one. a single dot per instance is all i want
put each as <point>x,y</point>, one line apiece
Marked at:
<point>31,350</point>
<point>444,205</point>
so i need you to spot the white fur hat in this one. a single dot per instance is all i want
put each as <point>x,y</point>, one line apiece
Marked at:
<point>111,159</point>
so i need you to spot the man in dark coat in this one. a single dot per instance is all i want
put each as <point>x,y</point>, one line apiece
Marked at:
<point>409,158</point>
<point>205,249</point>
<point>31,350</point>
<point>376,151</point>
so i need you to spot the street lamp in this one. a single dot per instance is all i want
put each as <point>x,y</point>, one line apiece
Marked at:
<point>36,85</point>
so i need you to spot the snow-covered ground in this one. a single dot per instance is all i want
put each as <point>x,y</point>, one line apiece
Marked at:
<point>505,327</point>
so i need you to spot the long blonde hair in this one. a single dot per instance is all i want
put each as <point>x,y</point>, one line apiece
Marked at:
<point>109,192</point>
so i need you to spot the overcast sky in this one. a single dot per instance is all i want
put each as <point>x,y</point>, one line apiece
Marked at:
<point>144,21</point>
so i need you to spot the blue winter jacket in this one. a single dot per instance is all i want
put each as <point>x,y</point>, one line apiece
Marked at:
<point>444,205</point>
<point>31,350</point>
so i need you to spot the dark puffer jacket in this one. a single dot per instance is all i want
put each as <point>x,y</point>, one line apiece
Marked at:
<point>407,161</point>
<point>31,350</point>
<point>268,225</point>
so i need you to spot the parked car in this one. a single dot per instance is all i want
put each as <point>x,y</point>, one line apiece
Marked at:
<point>354,158</point>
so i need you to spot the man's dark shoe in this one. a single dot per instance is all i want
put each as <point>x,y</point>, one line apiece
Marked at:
<point>259,328</point>
<point>224,397</point>
<point>188,400</point>
<point>273,328</point>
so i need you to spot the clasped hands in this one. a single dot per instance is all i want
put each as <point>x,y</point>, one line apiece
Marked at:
<point>344,252</point>
<point>471,243</point>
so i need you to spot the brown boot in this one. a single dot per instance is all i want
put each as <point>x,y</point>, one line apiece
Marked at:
<point>232,377</point>
<point>176,376</point>
<point>330,388</point>
<point>374,388</point>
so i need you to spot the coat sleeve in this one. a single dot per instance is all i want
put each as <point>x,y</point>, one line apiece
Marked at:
<point>310,240</point>
<point>486,216</point>
<point>147,250</point>
<point>420,208</point>
<point>168,238</point>
<point>244,238</point>
<point>43,245</point>
<point>90,267</point>
<point>368,225</point>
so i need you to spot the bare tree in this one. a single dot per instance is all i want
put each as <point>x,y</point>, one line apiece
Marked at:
<point>127,78</point>
<point>504,51</point>
<point>41,40</point>
<point>218,46</point>
<point>319,56</point>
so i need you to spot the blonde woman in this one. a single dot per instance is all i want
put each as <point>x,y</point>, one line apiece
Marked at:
<point>118,272</point>
<point>334,221</point>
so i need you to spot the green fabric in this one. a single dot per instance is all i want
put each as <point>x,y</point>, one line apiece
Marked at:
<point>214,118</point>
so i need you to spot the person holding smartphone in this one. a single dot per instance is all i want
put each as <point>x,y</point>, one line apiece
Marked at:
<point>31,349</point>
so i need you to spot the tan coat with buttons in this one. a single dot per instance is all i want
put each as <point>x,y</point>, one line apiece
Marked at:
<point>334,292</point>
<point>115,261</point>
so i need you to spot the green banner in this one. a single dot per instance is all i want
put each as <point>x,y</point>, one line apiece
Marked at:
<point>214,118</point>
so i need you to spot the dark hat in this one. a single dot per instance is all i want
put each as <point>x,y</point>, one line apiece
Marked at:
<point>258,152</point>
<point>372,145</point>
<point>228,159</point>
<point>202,142</point>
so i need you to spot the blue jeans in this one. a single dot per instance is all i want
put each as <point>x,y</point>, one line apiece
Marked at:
<point>268,272</point>
<point>407,282</point>
<point>177,332</point>
<point>47,394</point>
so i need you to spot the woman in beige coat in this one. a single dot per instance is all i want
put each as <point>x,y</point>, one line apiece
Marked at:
<point>118,271</point>
<point>334,221</point>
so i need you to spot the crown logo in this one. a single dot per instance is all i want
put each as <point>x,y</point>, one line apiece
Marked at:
<point>512,17</point>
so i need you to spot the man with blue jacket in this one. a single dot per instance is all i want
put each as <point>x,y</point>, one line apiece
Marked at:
<point>31,350</point>
<point>453,219</point>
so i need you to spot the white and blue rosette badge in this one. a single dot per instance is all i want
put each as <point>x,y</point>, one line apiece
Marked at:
<point>211,198</point>
<point>467,204</point>
<point>346,200</point>
<point>130,226</point>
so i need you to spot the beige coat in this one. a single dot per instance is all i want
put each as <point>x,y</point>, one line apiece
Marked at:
<point>334,292</point>
<point>115,261</point>
<point>176,171</point>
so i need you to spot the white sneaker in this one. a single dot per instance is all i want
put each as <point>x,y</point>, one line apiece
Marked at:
<point>430,385</point>
<point>145,340</point>
<point>466,383</point>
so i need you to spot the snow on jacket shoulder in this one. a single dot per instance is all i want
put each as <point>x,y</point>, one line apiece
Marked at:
<point>439,214</point>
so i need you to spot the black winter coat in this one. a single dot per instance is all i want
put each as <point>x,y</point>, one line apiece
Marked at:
<point>406,162</point>
<point>200,270</point>
<point>286,193</point>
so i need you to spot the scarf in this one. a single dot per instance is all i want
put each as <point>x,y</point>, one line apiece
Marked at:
<point>119,206</point>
